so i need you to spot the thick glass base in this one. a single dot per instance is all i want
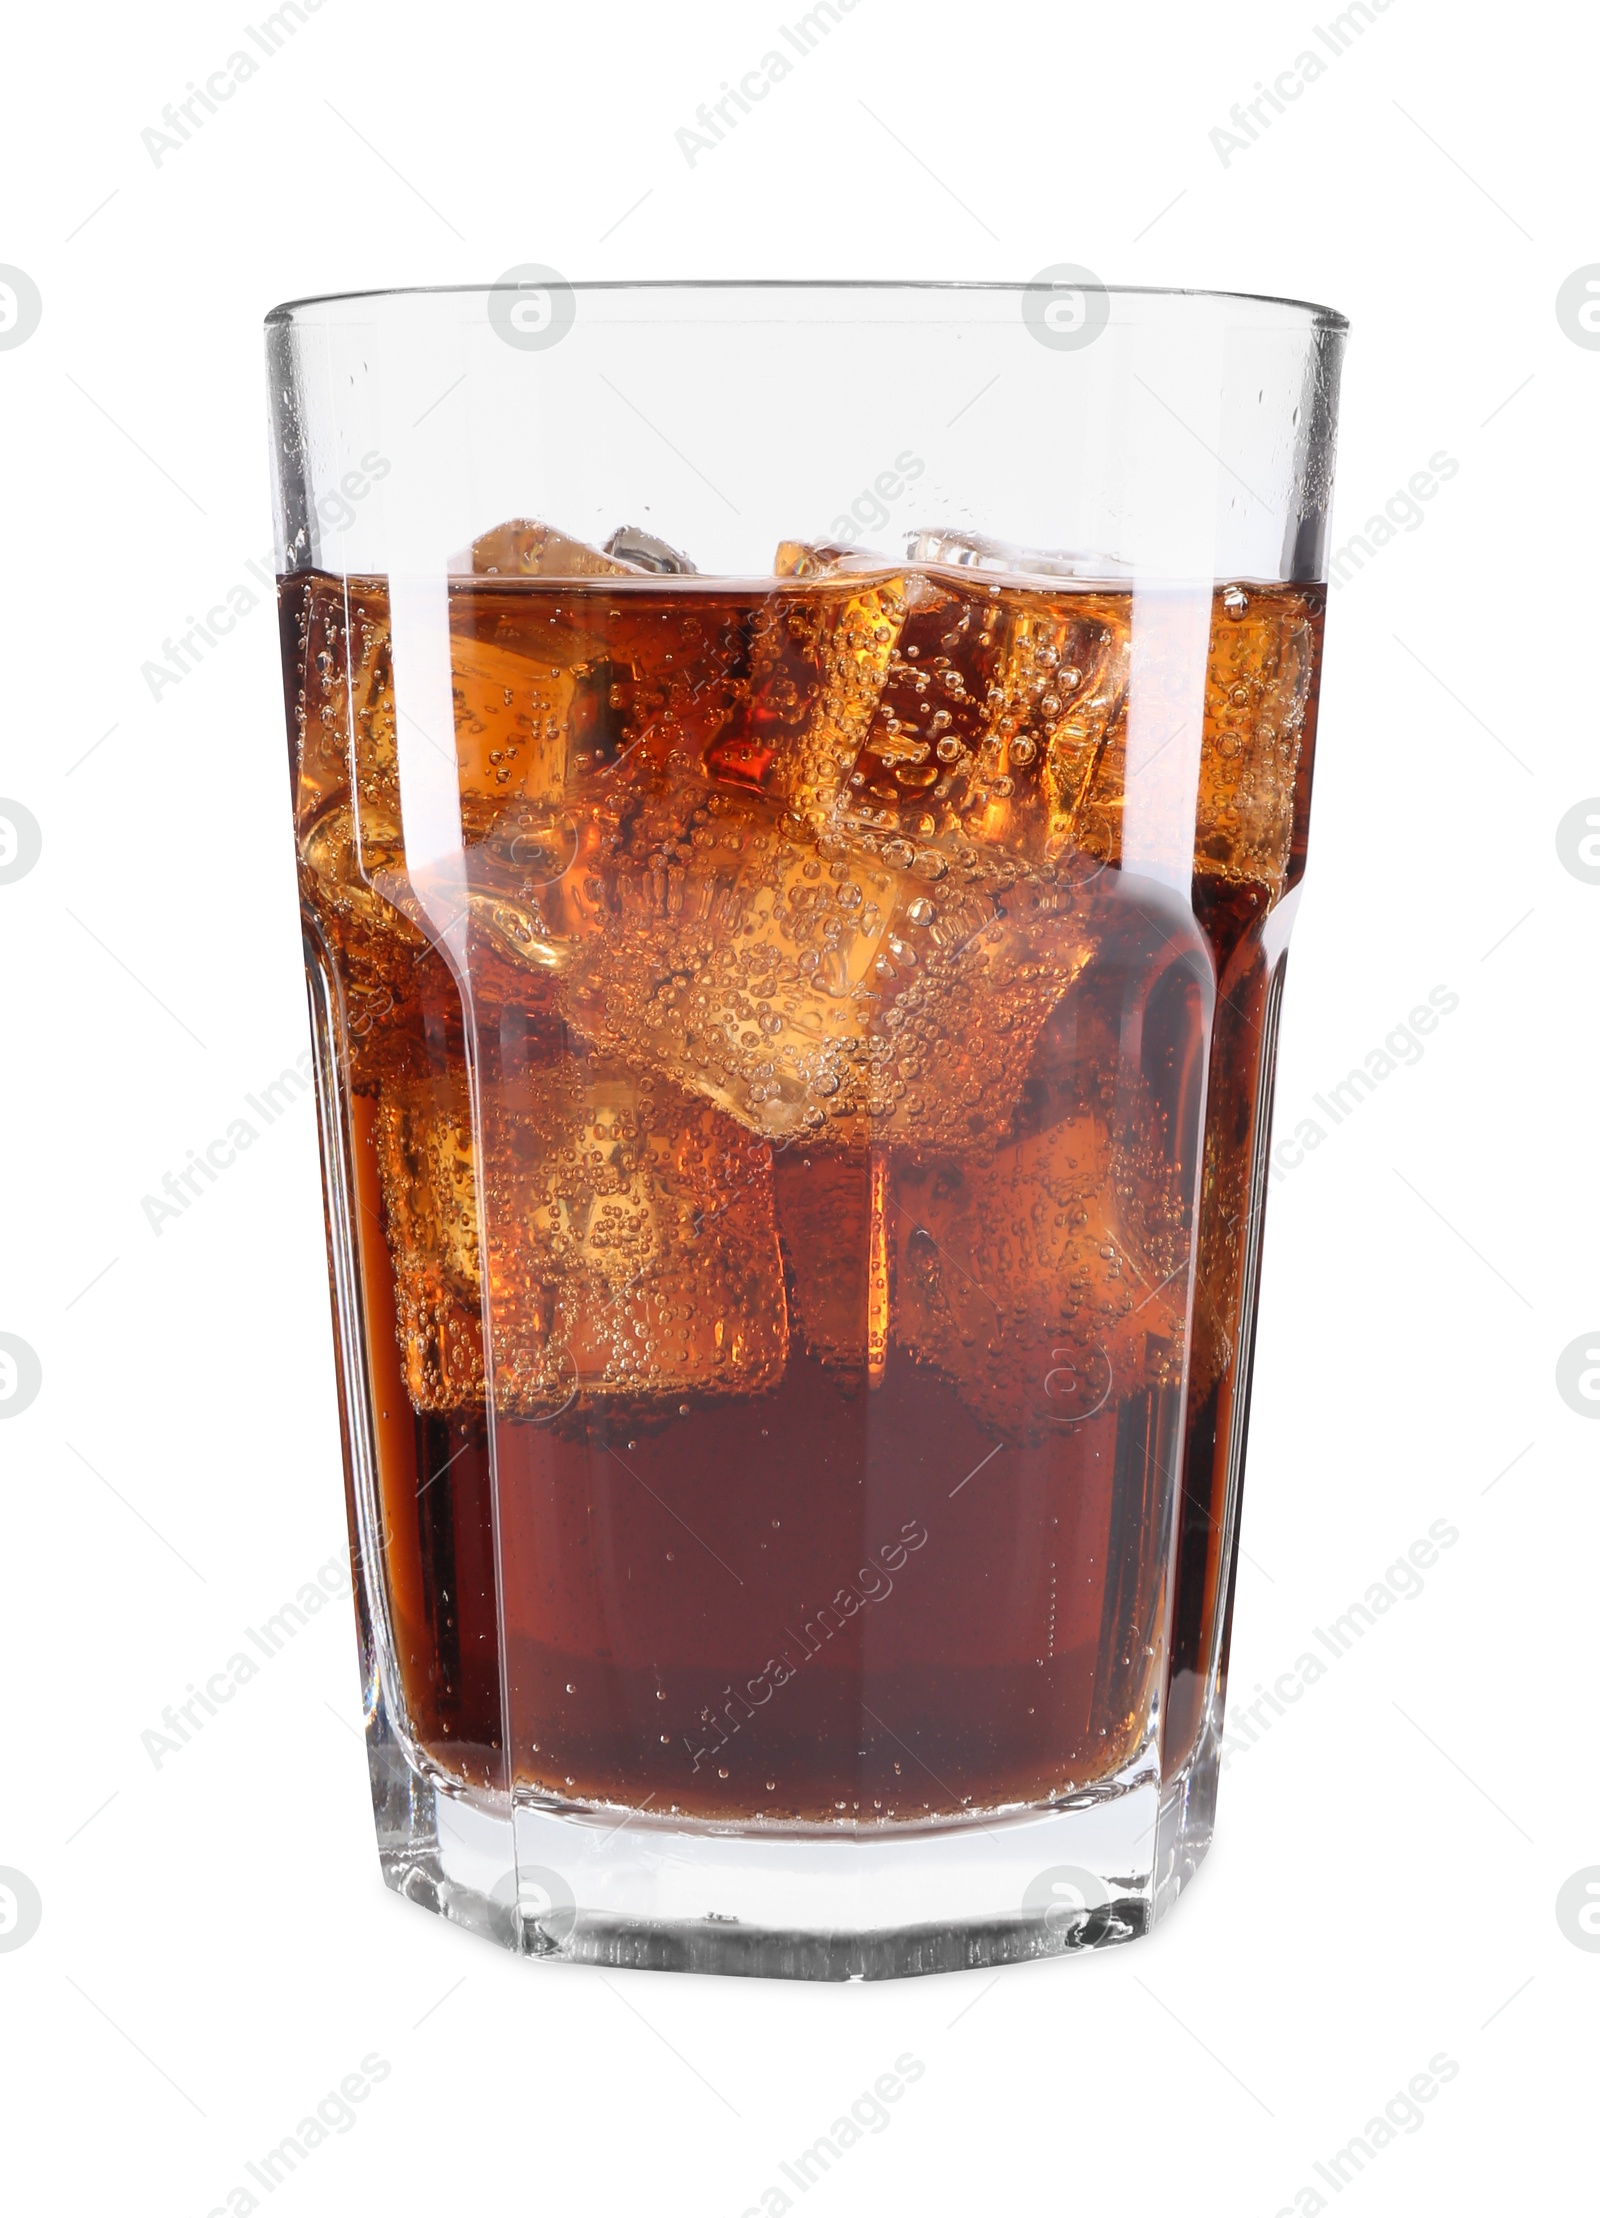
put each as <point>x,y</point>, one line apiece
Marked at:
<point>618,1888</point>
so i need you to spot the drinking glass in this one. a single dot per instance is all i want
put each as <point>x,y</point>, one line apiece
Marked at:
<point>799,792</point>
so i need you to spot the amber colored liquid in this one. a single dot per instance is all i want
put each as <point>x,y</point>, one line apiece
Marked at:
<point>830,1420</point>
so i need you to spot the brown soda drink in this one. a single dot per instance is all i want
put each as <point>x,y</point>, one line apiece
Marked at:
<point>807,1188</point>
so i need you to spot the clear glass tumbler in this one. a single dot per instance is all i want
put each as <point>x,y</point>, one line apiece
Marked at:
<point>799,790</point>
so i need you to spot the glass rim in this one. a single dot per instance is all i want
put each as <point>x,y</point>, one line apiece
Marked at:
<point>1312,313</point>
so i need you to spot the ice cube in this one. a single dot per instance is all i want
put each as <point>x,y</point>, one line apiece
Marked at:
<point>550,690</point>
<point>769,692</point>
<point>344,735</point>
<point>1259,698</point>
<point>523,548</point>
<point>818,654</point>
<point>970,550</point>
<point>347,801</point>
<point>1019,1274</point>
<point>801,558</point>
<point>632,1252</point>
<point>994,717</point>
<point>735,957</point>
<point>536,900</point>
<point>1049,1276</point>
<point>955,1036</point>
<point>533,699</point>
<point>376,948</point>
<point>815,985</point>
<point>646,552</point>
<point>424,1150</point>
<point>800,984</point>
<point>1260,682</point>
<point>833,1225</point>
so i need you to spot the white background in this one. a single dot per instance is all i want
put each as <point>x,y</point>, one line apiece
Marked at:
<point>217,1951</point>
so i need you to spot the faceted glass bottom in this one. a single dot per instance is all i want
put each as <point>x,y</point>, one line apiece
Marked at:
<point>623,1889</point>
